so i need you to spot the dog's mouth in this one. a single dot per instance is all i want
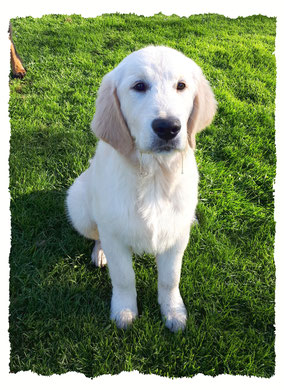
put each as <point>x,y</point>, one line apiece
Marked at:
<point>164,149</point>
<point>165,146</point>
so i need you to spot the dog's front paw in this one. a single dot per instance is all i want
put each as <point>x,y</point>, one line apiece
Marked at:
<point>175,317</point>
<point>123,318</point>
<point>176,321</point>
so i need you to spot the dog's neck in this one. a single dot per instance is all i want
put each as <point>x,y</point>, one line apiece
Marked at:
<point>169,165</point>
<point>151,164</point>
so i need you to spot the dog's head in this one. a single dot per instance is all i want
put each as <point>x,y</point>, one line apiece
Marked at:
<point>155,101</point>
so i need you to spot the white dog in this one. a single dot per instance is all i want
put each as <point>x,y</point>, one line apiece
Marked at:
<point>140,192</point>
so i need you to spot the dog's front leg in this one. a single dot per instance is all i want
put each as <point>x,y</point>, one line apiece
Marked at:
<point>123,302</point>
<point>169,298</point>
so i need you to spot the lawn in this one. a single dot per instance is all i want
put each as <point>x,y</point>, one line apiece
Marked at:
<point>59,303</point>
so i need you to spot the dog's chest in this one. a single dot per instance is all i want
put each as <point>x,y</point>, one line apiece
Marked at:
<point>148,213</point>
<point>160,215</point>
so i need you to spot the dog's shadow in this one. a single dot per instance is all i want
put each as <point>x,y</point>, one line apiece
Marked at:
<point>50,269</point>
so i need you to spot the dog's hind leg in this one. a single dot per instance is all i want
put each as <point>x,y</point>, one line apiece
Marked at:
<point>98,257</point>
<point>78,211</point>
<point>78,208</point>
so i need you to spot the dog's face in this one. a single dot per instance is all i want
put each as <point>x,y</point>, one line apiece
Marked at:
<point>156,89</point>
<point>154,101</point>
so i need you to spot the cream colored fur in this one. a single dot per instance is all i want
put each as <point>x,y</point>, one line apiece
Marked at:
<point>135,197</point>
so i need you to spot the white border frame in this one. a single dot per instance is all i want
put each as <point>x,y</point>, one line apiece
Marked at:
<point>35,8</point>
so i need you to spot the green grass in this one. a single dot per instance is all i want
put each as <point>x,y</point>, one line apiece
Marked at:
<point>59,303</point>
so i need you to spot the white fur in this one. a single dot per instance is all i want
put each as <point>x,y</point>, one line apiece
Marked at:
<point>144,202</point>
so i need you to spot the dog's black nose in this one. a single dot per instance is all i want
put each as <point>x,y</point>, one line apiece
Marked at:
<point>166,128</point>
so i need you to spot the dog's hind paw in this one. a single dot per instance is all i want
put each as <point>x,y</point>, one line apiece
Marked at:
<point>98,257</point>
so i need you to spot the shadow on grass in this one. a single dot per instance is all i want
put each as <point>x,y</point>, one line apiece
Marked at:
<point>52,283</point>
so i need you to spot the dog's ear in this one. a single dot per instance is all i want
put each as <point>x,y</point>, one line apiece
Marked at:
<point>108,123</point>
<point>203,111</point>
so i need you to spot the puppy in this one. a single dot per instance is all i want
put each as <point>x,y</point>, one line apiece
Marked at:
<point>140,192</point>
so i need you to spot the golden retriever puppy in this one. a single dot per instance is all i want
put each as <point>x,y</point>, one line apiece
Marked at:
<point>140,192</point>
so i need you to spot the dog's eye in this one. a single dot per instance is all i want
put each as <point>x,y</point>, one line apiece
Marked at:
<point>140,86</point>
<point>180,86</point>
